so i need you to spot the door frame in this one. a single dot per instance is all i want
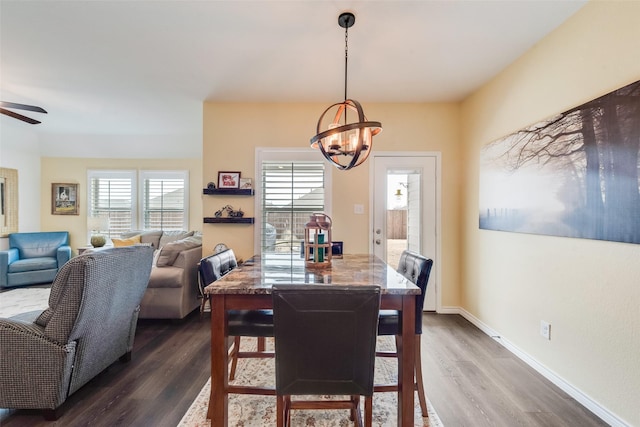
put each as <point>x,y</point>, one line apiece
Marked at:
<point>437,263</point>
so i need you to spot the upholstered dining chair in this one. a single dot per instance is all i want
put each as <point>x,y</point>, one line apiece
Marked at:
<point>325,338</point>
<point>240,323</point>
<point>417,269</point>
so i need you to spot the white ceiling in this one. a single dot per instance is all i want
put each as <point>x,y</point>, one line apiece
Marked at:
<point>145,67</point>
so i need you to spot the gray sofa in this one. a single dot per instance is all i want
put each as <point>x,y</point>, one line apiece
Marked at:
<point>172,292</point>
<point>90,323</point>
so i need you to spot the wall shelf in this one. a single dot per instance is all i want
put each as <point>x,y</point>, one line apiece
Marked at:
<point>228,192</point>
<point>226,220</point>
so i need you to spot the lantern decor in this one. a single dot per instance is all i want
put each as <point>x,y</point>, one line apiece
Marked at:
<point>317,241</point>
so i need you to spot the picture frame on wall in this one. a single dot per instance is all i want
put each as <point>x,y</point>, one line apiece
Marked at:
<point>228,180</point>
<point>64,199</point>
<point>246,184</point>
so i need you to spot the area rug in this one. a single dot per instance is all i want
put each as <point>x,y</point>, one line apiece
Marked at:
<point>22,300</point>
<point>258,411</point>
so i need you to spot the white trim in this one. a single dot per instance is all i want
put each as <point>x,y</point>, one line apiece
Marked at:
<point>584,399</point>
<point>437,259</point>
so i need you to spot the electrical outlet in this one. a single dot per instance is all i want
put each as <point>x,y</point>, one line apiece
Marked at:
<point>545,329</point>
<point>358,209</point>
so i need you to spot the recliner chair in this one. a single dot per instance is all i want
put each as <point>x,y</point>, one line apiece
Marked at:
<point>89,324</point>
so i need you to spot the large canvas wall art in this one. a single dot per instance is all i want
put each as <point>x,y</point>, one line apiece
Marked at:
<point>573,175</point>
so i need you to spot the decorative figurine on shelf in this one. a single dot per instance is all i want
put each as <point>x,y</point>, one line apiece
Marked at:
<point>231,213</point>
<point>235,214</point>
<point>211,186</point>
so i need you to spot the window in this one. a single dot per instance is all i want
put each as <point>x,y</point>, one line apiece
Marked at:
<point>164,201</point>
<point>161,203</point>
<point>291,186</point>
<point>112,195</point>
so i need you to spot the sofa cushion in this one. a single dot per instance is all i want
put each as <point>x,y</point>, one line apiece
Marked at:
<point>152,237</point>
<point>172,236</point>
<point>167,277</point>
<point>33,264</point>
<point>170,251</point>
<point>119,243</point>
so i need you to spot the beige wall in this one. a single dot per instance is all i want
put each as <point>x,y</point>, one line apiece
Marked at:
<point>19,150</point>
<point>74,170</point>
<point>589,290</point>
<point>232,131</point>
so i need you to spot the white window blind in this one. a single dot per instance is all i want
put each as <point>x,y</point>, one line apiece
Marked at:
<point>291,191</point>
<point>160,204</point>
<point>164,200</point>
<point>112,195</point>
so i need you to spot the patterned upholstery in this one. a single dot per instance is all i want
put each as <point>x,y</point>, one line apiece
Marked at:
<point>89,324</point>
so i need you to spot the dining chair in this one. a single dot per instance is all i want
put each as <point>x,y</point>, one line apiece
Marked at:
<point>417,269</point>
<point>240,323</point>
<point>325,338</point>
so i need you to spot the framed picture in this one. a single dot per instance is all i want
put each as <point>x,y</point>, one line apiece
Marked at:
<point>64,199</point>
<point>245,184</point>
<point>228,180</point>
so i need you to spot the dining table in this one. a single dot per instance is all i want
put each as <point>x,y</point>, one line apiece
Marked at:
<point>248,287</point>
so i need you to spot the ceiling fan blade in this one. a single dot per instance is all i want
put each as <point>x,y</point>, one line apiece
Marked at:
<point>22,107</point>
<point>18,116</point>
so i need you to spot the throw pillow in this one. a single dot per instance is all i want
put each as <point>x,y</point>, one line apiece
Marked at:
<point>156,255</point>
<point>172,236</point>
<point>119,243</point>
<point>169,252</point>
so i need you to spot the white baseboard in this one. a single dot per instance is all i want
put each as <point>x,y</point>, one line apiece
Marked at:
<point>600,411</point>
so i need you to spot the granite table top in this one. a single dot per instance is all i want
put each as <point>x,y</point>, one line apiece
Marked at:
<point>258,274</point>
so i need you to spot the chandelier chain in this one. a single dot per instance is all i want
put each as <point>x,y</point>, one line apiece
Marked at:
<point>346,59</point>
<point>346,63</point>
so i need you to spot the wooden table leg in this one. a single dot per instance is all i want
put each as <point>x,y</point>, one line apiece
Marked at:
<point>218,399</point>
<point>406,362</point>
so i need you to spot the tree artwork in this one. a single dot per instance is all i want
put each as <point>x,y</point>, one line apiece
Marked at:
<point>573,175</point>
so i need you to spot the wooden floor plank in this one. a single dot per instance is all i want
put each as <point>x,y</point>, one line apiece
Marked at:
<point>470,379</point>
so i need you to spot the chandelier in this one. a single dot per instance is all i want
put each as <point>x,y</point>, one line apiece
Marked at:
<point>345,144</point>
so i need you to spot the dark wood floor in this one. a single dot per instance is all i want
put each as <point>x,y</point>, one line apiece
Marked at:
<point>470,379</point>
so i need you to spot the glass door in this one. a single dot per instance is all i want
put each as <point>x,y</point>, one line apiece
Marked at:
<point>404,210</point>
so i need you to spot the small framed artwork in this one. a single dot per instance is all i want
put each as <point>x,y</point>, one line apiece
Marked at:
<point>228,180</point>
<point>64,199</point>
<point>245,184</point>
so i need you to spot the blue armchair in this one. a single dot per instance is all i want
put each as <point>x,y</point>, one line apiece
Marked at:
<point>33,258</point>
